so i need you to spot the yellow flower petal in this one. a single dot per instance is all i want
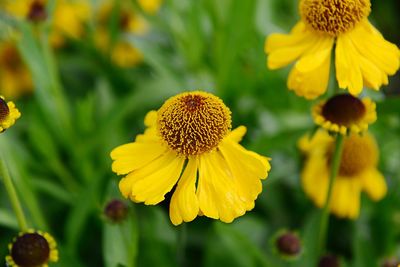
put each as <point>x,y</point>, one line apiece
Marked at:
<point>310,76</point>
<point>346,197</point>
<point>217,191</point>
<point>237,134</point>
<point>151,187</point>
<point>374,184</point>
<point>184,204</point>
<point>133,156</point>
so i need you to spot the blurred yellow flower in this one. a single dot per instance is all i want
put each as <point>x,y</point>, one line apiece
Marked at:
<point>67,21</point>
<point>8,114</point>
<point>345,113</point>
<point>358,172</point>
<point>122,52</point>
<point>32,248</point>
<point>189,143</point>
<point>150,6</point>
<point>362,56</point>
<point>15,78</point>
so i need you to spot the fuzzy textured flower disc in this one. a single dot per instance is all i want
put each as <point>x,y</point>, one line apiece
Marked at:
<point>189,143</point>
<point>345,113</point>
<point>362,56</point>
<point>357,172</point>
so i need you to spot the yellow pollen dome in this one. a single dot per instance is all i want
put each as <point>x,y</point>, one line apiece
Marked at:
<point>193,123</point>
<point>358,154</point>
<point>334,16</point>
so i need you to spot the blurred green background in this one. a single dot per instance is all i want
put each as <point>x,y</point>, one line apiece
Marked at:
<point>83,106</point>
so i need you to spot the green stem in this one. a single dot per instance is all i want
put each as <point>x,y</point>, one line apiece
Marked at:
<point>12,194</point>
<point>334,172</point>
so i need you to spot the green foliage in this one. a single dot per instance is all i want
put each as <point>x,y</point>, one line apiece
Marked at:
<point>83,106</point>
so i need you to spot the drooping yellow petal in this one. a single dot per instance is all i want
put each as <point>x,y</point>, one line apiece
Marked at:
<point>283,49</point>
<point>217,190</point>
<point>247,169</point>
<point>315,179</point>
<point>184,204</point>
<point>346,197</point>
<point>310,76</point>
<point>374,184</point>
<point>348,70</point>
<point>133,156</point>
<point>151,188</point>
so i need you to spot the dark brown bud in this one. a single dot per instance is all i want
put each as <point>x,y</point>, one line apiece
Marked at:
<point>329,261</point>
<point>116,210</point>
<point>288,244</point>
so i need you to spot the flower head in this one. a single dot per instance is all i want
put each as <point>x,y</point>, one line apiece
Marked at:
<point>362,56</point>
<point>150,6</point>
<point>32,248</point>
<point>116,211</point>
<point>345,113</point>
<point>189,143</point>
<point>288,244</point>
<point>357,172</point>
<point>329,261</point>
<point>122,52</point>
<point>67,21</point>
<point>8,114</point>
<point>15,78</point>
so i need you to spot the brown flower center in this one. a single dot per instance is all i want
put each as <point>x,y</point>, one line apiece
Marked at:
<point>37,11</point>
<point>193,123</point>
<point>4,110</point>
<point>359,153</point>
<point>334,16</point>
<point>9,57</point>
<point>30,249</point>
<point>343,110</point>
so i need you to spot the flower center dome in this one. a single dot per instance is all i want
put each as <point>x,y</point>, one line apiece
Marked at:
<point>193,123</point>
<point>344,110</point>
<point>334,16</point>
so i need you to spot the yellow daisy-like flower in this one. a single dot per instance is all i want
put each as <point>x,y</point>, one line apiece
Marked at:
<point>122,52</point>
<point>362,56</point>
<point>150,6</point>
<point>189,143</point>
<point>68,19</point>
<point>358,172</point>
<point>345,113</point>
<point>8,114</point>
<point>32,248</point>
<point>15,78</point>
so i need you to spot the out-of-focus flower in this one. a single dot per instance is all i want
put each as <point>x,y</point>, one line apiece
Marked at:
<point>15,78</point>
<point>329,261</point>
<point>288,244</point>
<point>362,56</point>
<point>111,38</point>
<point>150,6</point>
<point>357,172</point>
<point>8,114</point>
<point>345,113</point>
<point>189,143</point>
<point>32,248</point>
<point>116,211</point>
<point>68,19</point>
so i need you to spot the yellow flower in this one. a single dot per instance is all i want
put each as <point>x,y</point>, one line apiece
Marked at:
<point>189,143</point>
<point>68,18</point>
<point>15,78</point>
<point>150,6</point>
<point>8,114</point>
<point>358,172</point>
<point>32,248</point>
<point>122,52</point>
<point>362,56</point>
<point>345,113</point>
